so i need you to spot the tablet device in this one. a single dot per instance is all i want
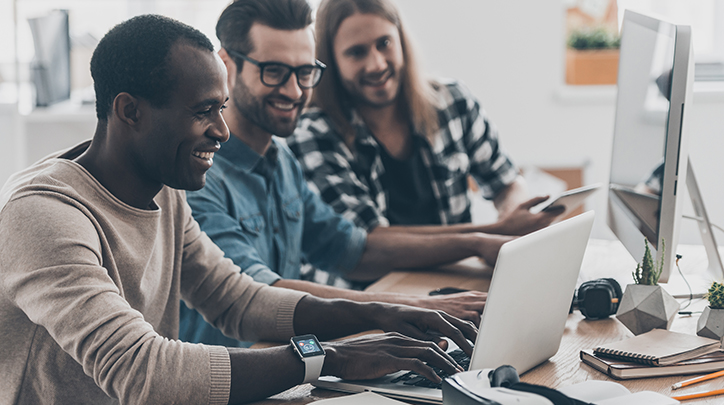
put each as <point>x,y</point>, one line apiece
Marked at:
<point>570,199</point>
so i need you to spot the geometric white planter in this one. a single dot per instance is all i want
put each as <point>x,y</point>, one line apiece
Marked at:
<point>711,323</point>
<point>646,307</point>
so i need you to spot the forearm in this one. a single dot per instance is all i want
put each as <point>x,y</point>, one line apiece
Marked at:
<point>259,373</point>
<point>335,318</point>
<point>386,251</point>
<point>330,292</point>
<point>441,229</point>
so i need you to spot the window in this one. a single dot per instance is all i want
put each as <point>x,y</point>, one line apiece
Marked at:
<point>706,18</point>
<point>89,21</point>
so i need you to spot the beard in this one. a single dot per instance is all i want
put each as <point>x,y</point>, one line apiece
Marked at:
<point>253,108</point>
<point>379,98</point>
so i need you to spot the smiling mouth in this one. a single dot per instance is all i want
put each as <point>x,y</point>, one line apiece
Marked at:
<point>204,155</point>
<point>283,106</point>
<point>377,79</point>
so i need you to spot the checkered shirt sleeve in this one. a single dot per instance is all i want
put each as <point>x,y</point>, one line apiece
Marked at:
<point>465,127</point>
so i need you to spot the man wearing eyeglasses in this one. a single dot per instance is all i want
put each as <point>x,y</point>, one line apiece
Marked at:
<point>256,204</point>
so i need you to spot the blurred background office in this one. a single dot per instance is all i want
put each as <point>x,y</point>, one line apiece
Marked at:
<point>512,54</point>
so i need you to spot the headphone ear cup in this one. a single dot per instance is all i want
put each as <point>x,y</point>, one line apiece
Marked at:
<point>618,292</point>
<point>598,299</point>
<point>616,286</point>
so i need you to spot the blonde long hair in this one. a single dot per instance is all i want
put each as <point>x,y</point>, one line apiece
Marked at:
<point>417,93</point>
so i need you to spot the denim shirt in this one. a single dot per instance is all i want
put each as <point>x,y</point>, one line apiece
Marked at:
<point>261,213</point>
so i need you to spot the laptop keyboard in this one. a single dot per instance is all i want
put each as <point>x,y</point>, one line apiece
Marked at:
<point>412,378</point>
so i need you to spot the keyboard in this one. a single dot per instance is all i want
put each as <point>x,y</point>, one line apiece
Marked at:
<point>412,378</point>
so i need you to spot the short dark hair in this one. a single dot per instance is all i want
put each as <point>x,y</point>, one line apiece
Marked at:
<point>236,20</point>
<point>133,58</point>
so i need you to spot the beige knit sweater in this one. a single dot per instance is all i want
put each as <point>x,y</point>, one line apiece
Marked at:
<point>90,290</point>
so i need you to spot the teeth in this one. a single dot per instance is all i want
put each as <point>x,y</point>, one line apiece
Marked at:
<point>372,81</point>
<point>283,106</point>
<point>204,155</point>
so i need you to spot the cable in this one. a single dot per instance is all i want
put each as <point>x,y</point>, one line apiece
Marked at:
<point>691,293</point>
<point>701,219</point>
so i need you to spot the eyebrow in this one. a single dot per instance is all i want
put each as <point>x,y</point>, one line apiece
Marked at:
<point>365,45</point>
<point>209,102</point>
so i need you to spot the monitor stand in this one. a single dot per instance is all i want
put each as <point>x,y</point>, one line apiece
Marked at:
<point>699,281</point>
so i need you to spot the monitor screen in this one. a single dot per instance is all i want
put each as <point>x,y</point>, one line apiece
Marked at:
<point>50,68</point>
<point>648,147</point>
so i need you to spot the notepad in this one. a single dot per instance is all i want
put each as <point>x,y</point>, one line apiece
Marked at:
<point>659,347</point>
<point>624,370</point>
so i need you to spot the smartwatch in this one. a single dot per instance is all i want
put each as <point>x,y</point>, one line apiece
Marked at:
<point>312,354</point>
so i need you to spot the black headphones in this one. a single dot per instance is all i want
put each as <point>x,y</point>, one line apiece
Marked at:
<point>597,299</point>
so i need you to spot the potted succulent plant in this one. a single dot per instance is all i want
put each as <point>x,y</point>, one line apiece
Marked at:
<point>711,321</point>
<point>592,56</point>
<point>645,305</point>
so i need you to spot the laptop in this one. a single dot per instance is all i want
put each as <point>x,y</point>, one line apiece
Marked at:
<point>525,314</point>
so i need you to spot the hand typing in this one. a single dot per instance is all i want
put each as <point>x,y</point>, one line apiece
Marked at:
<point>373,356</point>
<point>467,305</point>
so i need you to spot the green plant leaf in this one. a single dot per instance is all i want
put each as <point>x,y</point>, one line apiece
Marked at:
<point>593,38</point>
<point>649,271</point>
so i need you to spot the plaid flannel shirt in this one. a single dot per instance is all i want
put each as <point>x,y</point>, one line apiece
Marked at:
<point>466,144</point>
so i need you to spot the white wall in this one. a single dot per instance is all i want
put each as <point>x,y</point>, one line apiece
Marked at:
<point>511,54</point>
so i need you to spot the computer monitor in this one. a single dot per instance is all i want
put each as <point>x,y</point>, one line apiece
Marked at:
<point>649,162</point>
<point>50,67</point>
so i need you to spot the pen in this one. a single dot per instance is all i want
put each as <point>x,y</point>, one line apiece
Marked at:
<point>697,379</point>
<point>698,395</point>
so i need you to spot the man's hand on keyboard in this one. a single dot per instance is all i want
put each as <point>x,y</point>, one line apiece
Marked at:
<point>467,305</point>
<point>425,324</point>
<point>373,356</point>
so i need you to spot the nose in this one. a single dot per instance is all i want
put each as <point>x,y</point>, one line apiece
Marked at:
<point>291,88</point>
<point>219,130</point>
<point>376,61</point>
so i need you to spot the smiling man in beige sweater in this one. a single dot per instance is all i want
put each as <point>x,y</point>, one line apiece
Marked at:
<point>98,247</point>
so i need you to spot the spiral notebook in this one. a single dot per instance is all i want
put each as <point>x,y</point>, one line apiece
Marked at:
<point>659,347</point>
<point>624,370</point>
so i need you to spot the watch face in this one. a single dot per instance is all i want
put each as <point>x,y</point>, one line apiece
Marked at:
<point>307,345</point>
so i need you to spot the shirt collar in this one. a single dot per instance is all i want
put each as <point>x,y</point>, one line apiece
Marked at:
<point>364,136</point>
<point>243,157</point>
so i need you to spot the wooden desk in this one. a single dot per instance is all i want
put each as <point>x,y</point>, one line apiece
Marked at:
<point>602,259</point>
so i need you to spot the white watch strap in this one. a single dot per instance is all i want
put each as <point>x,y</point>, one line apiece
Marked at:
<point>313,368</point>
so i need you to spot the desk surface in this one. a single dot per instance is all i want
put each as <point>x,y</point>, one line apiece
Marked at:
<point>602,259</point>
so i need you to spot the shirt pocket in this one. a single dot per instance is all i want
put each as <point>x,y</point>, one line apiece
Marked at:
<point>293,208</point>
<point>252,224</point>
<point>293,211</point>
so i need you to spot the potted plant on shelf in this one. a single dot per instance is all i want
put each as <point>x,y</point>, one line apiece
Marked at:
<point>711,321</point>
<point>645,305</point>
<point>592,56</point>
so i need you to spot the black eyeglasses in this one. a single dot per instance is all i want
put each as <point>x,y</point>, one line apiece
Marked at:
<point>275,74</point>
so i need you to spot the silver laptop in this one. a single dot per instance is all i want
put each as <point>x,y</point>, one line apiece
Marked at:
<point>525,314</point>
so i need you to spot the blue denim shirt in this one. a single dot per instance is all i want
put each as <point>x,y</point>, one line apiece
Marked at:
<point>261,213</point>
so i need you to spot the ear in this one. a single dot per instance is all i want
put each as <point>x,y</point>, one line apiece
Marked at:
<point>125,109</point>
<point>230,68</point>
